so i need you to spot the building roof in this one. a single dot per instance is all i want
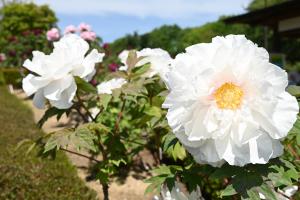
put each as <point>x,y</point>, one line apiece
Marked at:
<point>269,16</point>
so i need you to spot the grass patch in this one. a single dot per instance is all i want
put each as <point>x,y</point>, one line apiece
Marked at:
<point>27,176</point>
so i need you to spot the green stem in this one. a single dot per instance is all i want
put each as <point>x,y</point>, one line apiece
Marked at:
<point>81,155</point>
<point>85,108</point>
<point>119,117</point>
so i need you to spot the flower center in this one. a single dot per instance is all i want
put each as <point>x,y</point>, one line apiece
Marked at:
<point>229,96</point>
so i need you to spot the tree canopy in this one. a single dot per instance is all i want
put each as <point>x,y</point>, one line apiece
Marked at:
<point>259,4</point>
<point>20,17</point>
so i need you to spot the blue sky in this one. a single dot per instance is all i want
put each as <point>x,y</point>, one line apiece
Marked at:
<point>112,19</point>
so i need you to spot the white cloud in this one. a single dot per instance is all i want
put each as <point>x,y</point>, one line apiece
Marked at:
<point>166,9</point>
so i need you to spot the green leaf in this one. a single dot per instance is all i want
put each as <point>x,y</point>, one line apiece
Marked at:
<point>132,60</point>
<point>228,191</point>
<point>155,183</point>
<point>246,182</point>
<point>135,88</point>
<point>104,100</point>
<point>153,187</point>
<point>98,127</point>
<point>50,113</point>
<point>267,191</point>
<point>169,140</point>
<point>85,86</point>
<point>81,138</point>
<point>178,152</point>
<point>22,143</point>
<point>294,90</point>
<point>31,147</point>
<point>153,111</point>
<point>226,171</point>
<point>103,176</point>
<point>298,139</point>
<point>162,170</point>
<point>138,71</point>
<point>253,194</point>
<point>118,162</point>
<point>51,144</point>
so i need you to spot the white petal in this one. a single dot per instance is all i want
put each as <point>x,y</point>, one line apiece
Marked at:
<point>36,65</point>
<point>207,153</point>
<point>72,42</point>
<point>123,56</point>
<point>27,86</point>
<point>283,117</point>
<point>32,83</point>
<point>66,98</point>
<point>54,89</point>
<point>108,86</point>
<point>88,64</point>
<point>39,99</point>
<point>196,127</point>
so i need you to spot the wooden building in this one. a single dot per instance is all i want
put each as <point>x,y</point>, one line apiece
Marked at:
<point>283,19</point>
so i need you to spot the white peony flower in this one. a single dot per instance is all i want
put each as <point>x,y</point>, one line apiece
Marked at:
<point>228,103</point>
<point>53,77</point>
<point>108,86</point>
<point>177,194</point>
<point>159,59</point>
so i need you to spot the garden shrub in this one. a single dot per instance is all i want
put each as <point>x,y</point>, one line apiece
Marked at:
<point>25,176</point>
<point>12,76</point>
<point>2,79</point>
<point>23,29</point>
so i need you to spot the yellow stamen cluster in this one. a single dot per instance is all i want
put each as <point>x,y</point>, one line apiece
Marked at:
<point>229,96</point>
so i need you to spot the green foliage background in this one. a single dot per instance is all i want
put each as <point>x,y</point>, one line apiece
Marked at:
<point>22,29</point>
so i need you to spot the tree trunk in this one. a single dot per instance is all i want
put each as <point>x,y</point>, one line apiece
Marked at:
<point>105,191</point>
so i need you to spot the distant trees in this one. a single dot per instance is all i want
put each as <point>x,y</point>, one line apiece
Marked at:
<point>20,17</point>
<point>258,4</point>
<point>174,39</point>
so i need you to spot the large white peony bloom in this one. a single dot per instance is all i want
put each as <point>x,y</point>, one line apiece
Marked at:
<point>108,86</point>
<point>53,77</point>
<point>227,102</point>
<point>159,59</point>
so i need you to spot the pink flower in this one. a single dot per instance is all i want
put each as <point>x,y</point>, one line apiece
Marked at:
<point>13,39</point>
<point>53,34</point>
<point>105,46</point>
<point>93,82</point>
<point>2,57</point>
<point>37,32</point>
<point>88,35</point>
<point>113,67</point>
<point>84,27</point>
<point>70,29</point>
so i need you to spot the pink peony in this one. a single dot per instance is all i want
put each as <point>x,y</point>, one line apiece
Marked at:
<point>53,34</point>
<point>88,35</point>
<point>70,29</point>
<point>94,82</point>
<point>105,46</point>
<point>2,57</point>
<point>113,67</point>
<point>84,27</point>
<point>37,32</point>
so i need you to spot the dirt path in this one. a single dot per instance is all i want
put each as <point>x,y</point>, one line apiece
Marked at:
<point>131,189</point>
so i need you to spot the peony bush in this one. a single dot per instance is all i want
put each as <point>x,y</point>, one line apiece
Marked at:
<point>217,114</point>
